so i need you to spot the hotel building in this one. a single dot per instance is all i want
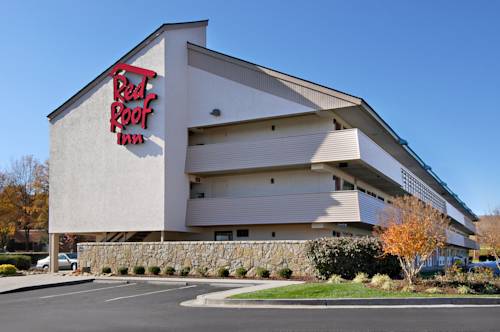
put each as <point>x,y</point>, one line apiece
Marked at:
<point>176,141</point>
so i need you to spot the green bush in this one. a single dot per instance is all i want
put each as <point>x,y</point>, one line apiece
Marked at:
<point>285,273</point>
<point>7,269</point>
<point>223,272</point>
<point>185,271</point>
<point>241,272</point>
<point>262,272</point>
<point>123,270</point>
<point>170,271</point>
<point>154,270</point>
<point>335,279</point>
<point>361,278</point>
<point>347,256</point>
<point>139,270</point>
<point>106,270</point>
<point>21,262</point>
<point>202,271</point>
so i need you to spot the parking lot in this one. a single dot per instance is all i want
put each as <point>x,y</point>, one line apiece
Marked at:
<point>153,307</point>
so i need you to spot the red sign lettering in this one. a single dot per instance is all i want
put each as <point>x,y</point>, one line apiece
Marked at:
<point>124,92</point>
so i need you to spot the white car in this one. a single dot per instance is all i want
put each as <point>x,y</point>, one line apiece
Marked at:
<point>66,261</point>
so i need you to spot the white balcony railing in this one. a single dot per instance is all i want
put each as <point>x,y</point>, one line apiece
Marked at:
<point>325,207</point>
<point>302,150</point>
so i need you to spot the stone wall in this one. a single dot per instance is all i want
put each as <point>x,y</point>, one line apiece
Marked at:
<point>272,255</point>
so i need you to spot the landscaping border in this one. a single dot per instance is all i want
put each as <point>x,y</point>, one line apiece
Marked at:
<point>358,301</point>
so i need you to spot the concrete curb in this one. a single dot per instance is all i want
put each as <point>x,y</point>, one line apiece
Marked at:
<point>353,302</point>
<point>47,285</point>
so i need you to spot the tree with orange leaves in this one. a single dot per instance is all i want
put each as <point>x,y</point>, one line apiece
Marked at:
<point>489,234</point>
<point>411,230</point>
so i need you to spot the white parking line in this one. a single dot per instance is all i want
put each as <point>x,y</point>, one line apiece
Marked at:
<point>148,293</point>
<point>86,291</point>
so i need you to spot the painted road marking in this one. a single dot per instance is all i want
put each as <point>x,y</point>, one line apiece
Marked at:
<point>148,293</point>
<point>86,291</point>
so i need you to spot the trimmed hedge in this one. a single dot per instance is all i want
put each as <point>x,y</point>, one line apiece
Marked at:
<point>347,256</point>
<point>21,262</point>
<point>139,270</point>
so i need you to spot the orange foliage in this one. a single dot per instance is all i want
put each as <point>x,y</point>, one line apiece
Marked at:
<point>411,230</point>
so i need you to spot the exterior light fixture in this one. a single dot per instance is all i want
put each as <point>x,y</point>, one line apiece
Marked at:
<point>215,112</point>
<point>402,141</point>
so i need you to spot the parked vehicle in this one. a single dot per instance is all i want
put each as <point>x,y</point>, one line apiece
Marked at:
<point>488,264</point>
<point>66,261</point>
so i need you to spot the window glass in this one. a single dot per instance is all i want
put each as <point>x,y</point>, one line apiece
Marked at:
<point>224,236</point>
<point>346,185</point>
<point>242,233</point>
<point>61,256</point>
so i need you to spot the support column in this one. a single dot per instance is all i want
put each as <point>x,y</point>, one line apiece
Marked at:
<point>53,252</point>
<point>162,236</point>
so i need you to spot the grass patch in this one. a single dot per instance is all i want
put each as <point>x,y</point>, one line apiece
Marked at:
<point>324,291</point>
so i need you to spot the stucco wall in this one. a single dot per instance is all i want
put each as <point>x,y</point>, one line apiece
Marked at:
<point>97,185</point>
<point>272,255</point>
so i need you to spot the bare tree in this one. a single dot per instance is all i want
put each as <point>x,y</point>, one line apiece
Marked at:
<point>411,230</point>
<point>489,234</point>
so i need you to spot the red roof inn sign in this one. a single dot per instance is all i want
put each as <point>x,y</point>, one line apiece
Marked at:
<point>125,92</point>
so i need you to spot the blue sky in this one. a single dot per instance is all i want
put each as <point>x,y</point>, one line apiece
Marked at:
<point>431,69</point>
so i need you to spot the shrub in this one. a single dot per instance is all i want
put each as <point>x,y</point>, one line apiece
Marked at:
<point>464,290</point>
<point>223,272</point>
<point>336,279</point>
<point>21,262</point>
<point>106,270</point>
<point>241,272</point>
<point>202,271</point>
<point>388,285</point>
<point>361,278</point>
<point>347,256</point>
<point>379,279</point>
<point>154,270</point>
<point>408,288</point>
<point>7,269</point>
<point>123,270</point>
<point>185,271</point>
<point>285,273</point>
<point>169,270</point>
<point>262,272</point>
<point>433,290</point>
<point>139,270</point>
<point>490,289</point>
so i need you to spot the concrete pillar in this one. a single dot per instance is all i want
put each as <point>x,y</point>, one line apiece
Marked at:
<point>162,236</point>
<point>53,252</point>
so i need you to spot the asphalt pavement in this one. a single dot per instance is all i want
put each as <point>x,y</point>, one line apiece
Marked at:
<point>153,307</point>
